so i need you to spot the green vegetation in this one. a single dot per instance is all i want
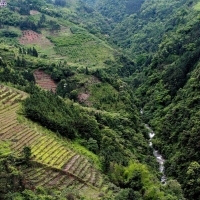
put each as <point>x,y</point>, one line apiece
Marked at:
<point>109,59</point>
<point>197,6</point>
<point>75,39</point>
<point>13,179</point>
<point>53,113</point>
<point>137,177</point>
<point>5,149</point>
<point>43,158</point>
<point>73,122</point>
<point>170,98</point>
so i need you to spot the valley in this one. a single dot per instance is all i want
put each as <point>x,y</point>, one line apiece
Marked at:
<point>74,78</point>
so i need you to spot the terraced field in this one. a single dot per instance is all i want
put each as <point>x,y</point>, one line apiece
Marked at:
<point>44,80</point>
<point>55,165</point>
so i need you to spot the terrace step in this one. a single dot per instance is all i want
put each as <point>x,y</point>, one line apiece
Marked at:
<point>6,113</point>
<point>62,168</point>
<point>68,182</point>
<point>53,154</point>
<point>34,172</point>
<point>62,159</point>
<point>81,167</point>
<point>82,173</point>
<point>27,141</point>
<point>47,149</point>
<point>20,139</point>
<point>50,177</point>
<point>56,180</point>
<point>8,99</point>
<point>5,127</point>
<point>7,120</point>
<point>17,134</point>
<point>76,165</point>
<point>37,147</point>
<point>71,162</point>
<point>10,134</point>
<point>5,108</point>
<point>60,182</point>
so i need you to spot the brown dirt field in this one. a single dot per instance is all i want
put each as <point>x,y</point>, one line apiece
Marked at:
<point>31,37</point>
<point>83,97</point>
<point>34,12</point>
<point>44,80</point>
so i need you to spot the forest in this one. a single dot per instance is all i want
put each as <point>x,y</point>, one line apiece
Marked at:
<point>110,61</point>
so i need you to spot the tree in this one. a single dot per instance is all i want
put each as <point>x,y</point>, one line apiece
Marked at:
<point>92,145</point>
<point>73,95</point>
<point>128,194</point>
<point>174,188</point>
<point>192,181</point>
<point>35,53</point>
<point>27,153</point>
<point>135,181</point>
<point>86,71</point>
<point>60,3</point>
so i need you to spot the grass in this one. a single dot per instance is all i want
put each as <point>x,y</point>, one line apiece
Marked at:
<point>197,6</point>
<point>79,48</point>
<point>73,39</point>
<point>90,54</point>
<point>5,148</point>
<point>82,48</point>
<point>7,52</point>
<point>101,95</point>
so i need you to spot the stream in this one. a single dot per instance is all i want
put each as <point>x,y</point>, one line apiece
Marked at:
<point>158,156</point>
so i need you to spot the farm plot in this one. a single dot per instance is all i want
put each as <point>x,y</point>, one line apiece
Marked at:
<point>59,166</point>
<point>31,37</point>
<point>44,80</point>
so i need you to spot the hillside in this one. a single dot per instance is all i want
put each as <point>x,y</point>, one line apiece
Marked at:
<point>53,34</point>
<point>85,71</point>
<point>168,87</point>
<point>55,163</point>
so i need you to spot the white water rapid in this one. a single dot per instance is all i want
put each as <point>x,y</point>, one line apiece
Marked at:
<point>158,156</point>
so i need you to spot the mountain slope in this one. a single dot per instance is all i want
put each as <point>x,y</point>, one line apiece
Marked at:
<point>170,99</point>
<point>68,41</point>
<point>56,165</point>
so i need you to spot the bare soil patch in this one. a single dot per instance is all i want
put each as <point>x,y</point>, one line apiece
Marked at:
<point>44,80</point>
<point>34,12</point>
<point>83,97</point>
<point>31,37</point>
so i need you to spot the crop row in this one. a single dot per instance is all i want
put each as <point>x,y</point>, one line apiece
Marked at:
<point>69,166</point>
<point>6,108</point>
<point>8,96</point>
<point>47,177</point>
